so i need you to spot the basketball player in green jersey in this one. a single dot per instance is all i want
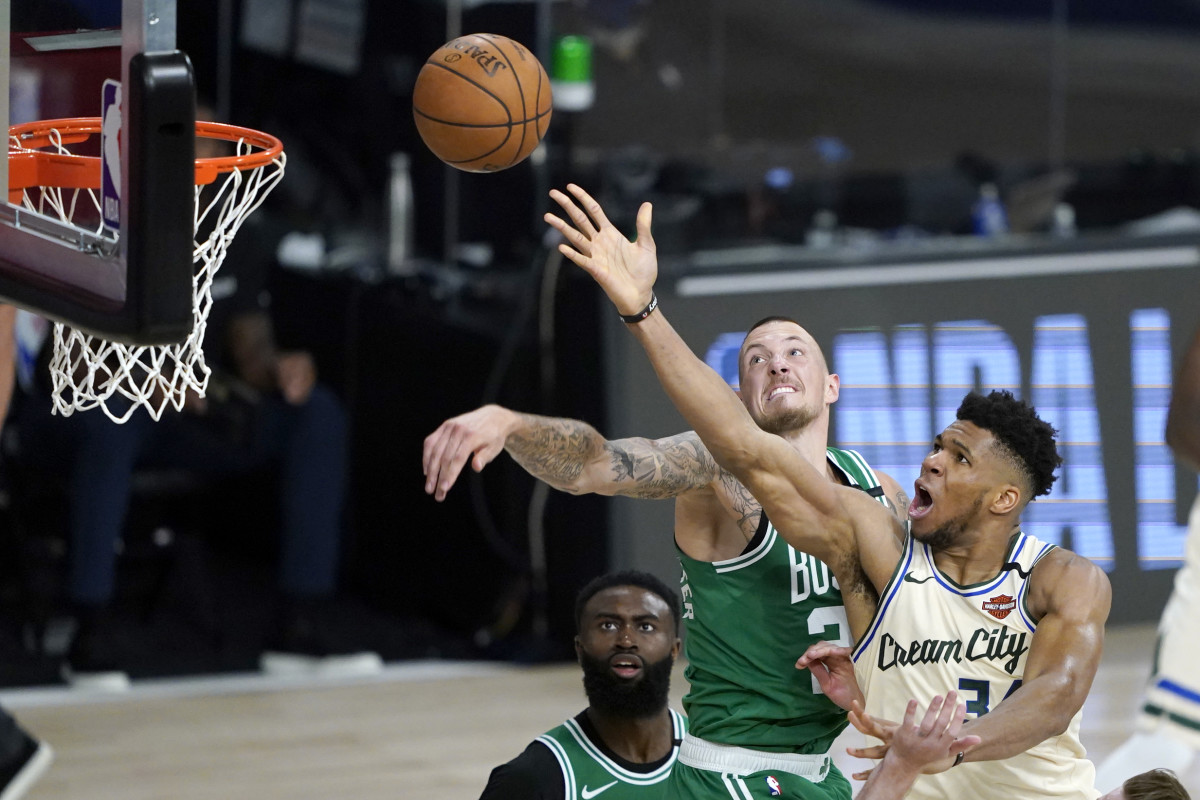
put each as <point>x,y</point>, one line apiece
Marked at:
<point>624,744</point>
<point>983,470</point>
<point>745,589</point>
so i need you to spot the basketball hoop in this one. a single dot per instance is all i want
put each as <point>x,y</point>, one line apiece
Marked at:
<point>46,177</point>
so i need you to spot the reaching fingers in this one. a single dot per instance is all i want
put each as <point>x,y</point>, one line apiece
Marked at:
<point>862,776</point>
<point>576,240</point>
<point>874,753</point>
<point>581,221</point>
<point>822,651</point>
<point>593,209</point>
<point>951,715</point>
<point>446,452</point>
<point>934,721</point>
<point>439,447</point>
<point>447,462</point>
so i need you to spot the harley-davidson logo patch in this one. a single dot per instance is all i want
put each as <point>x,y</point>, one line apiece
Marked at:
<point>999,606</point>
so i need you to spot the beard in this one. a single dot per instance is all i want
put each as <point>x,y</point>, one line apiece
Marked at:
<point>621,698</point>
<point>948,533</point>
<point>787,421</point>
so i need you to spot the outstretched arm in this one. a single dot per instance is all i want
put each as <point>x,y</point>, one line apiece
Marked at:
<point>568,454</point>
<point>1183,415</point>
<point>810,511</point>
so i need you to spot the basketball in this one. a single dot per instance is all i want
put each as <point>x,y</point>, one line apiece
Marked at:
<point>482,102</point>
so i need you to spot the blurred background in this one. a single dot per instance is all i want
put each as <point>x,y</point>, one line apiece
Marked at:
<point>1053,144</point>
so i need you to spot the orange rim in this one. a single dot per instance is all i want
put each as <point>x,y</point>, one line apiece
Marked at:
<point>32,166</point>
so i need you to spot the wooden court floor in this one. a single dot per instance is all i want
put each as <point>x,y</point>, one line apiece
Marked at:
<point>421,730</point>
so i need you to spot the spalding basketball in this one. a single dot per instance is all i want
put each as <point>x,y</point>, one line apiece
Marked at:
<point>482,102</point>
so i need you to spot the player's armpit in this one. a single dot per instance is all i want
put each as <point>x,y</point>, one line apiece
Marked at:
<point>878,536</point>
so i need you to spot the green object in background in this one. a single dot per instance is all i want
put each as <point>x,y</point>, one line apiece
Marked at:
<point>572,60</point>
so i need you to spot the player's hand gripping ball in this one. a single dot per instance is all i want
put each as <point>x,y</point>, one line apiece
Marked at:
<point>482,102</point>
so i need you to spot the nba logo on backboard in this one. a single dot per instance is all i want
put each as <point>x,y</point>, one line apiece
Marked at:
<point>773,786</point>
<point>110,155</point>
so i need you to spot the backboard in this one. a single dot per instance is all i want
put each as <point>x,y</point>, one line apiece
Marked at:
<point>123,270</point>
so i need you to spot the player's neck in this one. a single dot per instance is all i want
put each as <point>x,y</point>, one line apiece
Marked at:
<point>980,554</point>
<point>640,741</point>
<point>811,441</point>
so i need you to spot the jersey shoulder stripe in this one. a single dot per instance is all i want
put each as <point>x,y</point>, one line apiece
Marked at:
<point>1023,594</point>
<point>746,559</point>
<point>856,470</point>
<point>564,762</point>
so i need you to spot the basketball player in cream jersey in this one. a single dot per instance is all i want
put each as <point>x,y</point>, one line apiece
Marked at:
<point>984,468</point>
<point>931,633</point>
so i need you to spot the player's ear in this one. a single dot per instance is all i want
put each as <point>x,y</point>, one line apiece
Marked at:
<point>833,388</point>
<point>578,650</point>
<point>1007,500</point>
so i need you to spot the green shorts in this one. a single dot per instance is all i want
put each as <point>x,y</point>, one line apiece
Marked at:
<point>689,783</point>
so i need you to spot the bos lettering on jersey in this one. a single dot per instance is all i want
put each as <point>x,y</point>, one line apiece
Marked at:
<point>810,576</point>
<point>998,644</point>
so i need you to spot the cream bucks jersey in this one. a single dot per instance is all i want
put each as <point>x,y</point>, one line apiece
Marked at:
<point>748,619</point>
<point>931,635</point>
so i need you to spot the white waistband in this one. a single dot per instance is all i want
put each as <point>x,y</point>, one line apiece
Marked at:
<point>699,754</point>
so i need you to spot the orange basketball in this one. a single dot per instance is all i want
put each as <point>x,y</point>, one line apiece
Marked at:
<point>482,102</point>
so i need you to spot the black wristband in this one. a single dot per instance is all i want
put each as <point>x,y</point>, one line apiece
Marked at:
<point>645,312</point>
<point>958,759</point>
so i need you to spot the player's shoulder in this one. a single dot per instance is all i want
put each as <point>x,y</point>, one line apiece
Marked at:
<point>533,774</point>
<point>1062,579</point>
<point>1059,563</point>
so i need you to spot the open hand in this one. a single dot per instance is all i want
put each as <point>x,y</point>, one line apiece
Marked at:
<point>930,746</point>
<point>831,665</point>
<point>478,435</point>
<point>625,270</point>
<point>933,744</point>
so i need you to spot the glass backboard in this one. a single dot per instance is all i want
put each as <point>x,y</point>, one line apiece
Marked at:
<point>121,267</point>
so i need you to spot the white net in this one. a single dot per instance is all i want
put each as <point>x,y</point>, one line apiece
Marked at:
<point>88,371</point>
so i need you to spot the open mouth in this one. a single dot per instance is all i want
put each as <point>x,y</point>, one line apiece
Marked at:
<point>921,503</point>
<point>781,390</point>
<point>626,666</point>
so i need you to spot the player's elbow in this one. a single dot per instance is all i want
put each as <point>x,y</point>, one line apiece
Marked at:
<point>1070,692</point>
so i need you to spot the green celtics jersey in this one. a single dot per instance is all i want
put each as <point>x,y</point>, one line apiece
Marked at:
<point>589,772</point>
<point>748,619</point>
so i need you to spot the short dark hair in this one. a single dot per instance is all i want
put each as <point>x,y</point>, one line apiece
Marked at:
<point>629,577</point>
<point>1157,784</point>
<point>773,318</point>
<point>1027,439</point>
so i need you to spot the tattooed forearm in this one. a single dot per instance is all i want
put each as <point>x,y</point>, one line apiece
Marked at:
<point>554,450</point>
<point>660,469</point>
<point>572,456</point>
